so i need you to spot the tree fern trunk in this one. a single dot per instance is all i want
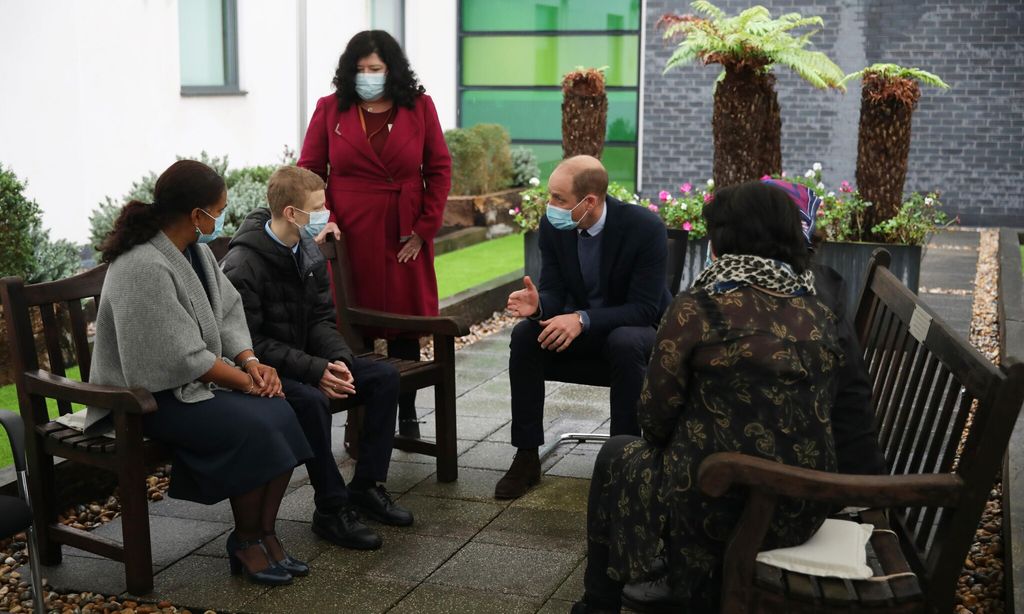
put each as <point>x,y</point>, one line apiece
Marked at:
<point>584,114</point>
<point>747,127</point>
<point>883,145</point>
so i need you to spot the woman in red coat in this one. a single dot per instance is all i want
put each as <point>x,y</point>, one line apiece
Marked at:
<point>378,144</point>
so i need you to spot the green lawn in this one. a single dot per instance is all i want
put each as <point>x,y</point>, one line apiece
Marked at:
<point>467,267</point>
<point>9,401</point>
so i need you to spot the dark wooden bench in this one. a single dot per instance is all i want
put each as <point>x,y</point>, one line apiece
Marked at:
<point>438,373</point>
<point>62,309</point>
<point>934,395</point>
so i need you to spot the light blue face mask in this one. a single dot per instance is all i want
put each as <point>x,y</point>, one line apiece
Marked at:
<point>370,85</point>
<point>218,226</point>
<point>561,219</point>
<point>317,221</point>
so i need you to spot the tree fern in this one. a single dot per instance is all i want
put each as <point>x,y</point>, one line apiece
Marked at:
<point>751,38</point>
<point>895,71</point>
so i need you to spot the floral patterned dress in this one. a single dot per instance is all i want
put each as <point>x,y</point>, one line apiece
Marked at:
<point>744,371</point>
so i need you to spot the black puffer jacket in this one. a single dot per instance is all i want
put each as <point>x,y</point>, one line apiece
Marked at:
<point>290,311</point>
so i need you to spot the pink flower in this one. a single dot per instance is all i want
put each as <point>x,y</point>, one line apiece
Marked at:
<point>783,173</point>
<point>707,197</point>
<point>845,187</point>
<point>820,213</point>
<point>653,208</point>
<point>664,195</point>
<point>685,188</point>
<point>687,226</point>
<point>517,209</point>
<point>764,177</point>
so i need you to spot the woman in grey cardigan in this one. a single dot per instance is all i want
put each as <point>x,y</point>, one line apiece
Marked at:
<point>170,322</point>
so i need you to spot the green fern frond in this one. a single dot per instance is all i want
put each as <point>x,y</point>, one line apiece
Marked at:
<point>895,71</point>
<point>708,9</point>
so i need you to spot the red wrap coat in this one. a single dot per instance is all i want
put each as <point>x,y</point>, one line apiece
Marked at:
<point>378,201</point>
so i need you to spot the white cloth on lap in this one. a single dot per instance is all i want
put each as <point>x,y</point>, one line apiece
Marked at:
<point>837,550</point>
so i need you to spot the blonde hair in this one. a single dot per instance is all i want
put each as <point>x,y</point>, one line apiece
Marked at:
<point>291,185</point>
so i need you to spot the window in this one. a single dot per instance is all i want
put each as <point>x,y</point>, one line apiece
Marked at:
<point>208,40</point>
<point>389,15</point>
<point>513,54</point>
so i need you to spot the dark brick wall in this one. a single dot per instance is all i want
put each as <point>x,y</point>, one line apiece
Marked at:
<point>968,142</point>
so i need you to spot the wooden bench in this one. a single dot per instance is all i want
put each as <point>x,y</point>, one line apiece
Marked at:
<point>934,395</point>
<point>128,455</point>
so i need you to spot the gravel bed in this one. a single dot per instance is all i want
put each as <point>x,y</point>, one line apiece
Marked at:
<point>980,589</point>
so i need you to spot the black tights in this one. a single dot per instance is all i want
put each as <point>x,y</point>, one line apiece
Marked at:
<point>255,515</point>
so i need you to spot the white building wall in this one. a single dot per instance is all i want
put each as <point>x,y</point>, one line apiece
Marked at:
<point>91,91</point>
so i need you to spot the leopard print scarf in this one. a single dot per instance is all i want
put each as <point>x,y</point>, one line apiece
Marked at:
<point>733,271</point>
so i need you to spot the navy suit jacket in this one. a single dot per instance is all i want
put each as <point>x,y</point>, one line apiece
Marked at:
<point>634,251</point>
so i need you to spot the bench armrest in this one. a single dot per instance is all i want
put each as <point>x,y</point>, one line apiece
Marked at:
<point>722,470</point>
<point>11,422</point>
<point>424,324</point>
<point>113,398</point>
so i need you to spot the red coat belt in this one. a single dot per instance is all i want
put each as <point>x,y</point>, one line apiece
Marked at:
<point>410,201</point>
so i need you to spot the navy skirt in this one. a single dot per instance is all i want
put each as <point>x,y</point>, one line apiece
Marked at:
<point>228,445</point>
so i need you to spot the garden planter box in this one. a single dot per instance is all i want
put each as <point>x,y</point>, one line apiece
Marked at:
<point>851,261</point>
<point>481,209</point>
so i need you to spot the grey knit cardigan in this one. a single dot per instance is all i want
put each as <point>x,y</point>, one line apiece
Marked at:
<point>155,327</point>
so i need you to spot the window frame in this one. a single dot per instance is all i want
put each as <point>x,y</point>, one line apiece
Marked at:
<point>229,21</point>
<point>460,34</point>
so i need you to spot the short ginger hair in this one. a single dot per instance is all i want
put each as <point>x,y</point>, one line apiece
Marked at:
<point>291,185</point>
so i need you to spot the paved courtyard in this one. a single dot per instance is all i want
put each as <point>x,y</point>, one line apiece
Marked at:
<point>466,552</point>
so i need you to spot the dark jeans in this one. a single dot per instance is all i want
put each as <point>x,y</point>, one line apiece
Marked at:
<point>625,351</point>
<point>406,349</point>
<point>377,390</point>
<point>602,591</point>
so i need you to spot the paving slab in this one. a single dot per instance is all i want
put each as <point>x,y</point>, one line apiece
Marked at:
<point>488,455</point>
<point>404,556</point>
<point>539,529</point>
<point>572,588</point>
<point>954,310</point>
<point>473,428</point>
<point>436,599</point>
<point>203,583</point>
<point>949,269</point>
<point>506,570</point>
<point>454,518</point>
<point>557,606</point>
<point>472,485</point>
<point>329,592</point>
<point>171,538</point>
<point>555,493</point>
<point>297,537</point>
<point>179,508</point>
<point>83,573</point>
<point>577,464</point>
<point>461,445</point>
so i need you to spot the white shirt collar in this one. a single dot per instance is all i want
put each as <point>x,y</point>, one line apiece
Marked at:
<point>599,226</point>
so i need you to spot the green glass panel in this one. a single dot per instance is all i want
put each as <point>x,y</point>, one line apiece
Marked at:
<point>532,15</point>
<point>544,60</point>
<point>620,161</point>
<point>537,114</point>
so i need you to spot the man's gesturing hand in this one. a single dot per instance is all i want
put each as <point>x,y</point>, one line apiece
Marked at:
<point>524,303</point>
<point>560,331</point>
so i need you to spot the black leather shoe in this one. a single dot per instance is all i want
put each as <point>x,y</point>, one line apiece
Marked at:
<point>520,477</point>
<point>581,607</point>
<point>376,503</point>
<point>346,530</point>
<point>272,575</point>
<point>290,564</point>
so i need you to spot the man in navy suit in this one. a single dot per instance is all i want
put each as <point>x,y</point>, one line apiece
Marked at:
<point>602,293</point>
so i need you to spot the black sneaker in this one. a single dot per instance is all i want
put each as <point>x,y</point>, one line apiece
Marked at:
<point>346,530</point>
<point>376,503</point>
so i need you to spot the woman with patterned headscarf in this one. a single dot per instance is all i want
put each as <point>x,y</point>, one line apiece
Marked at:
<point>745,361</point>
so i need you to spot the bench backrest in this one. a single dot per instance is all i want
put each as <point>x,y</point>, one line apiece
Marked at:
<point>336,253</point>
<point>940,407</point>
<point>61,308</point>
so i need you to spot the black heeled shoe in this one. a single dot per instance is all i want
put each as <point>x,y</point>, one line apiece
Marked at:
<point>273,575</point>
<point>292,565</point>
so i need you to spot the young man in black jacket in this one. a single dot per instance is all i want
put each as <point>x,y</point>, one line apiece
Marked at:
<point>275,264</point>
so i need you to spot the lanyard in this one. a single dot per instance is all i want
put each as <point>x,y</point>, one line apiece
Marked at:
<point>362,122</point>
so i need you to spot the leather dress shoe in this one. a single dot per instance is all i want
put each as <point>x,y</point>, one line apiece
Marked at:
<point>376,503</point>
<point>346,530</point>
<point>520,477</point>
<point>289,563</point>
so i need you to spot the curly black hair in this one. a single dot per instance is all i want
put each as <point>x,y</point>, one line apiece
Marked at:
<point>401,85</point>
<point>185,185</point>
<point>758,219</point>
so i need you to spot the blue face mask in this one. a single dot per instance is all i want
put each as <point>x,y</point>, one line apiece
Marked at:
<point>317,221</point>
<point>218,226</point>
<point>370,85</point>
<point>561,219</point>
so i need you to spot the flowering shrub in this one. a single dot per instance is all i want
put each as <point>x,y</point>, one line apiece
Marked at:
<point>842,214</point>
